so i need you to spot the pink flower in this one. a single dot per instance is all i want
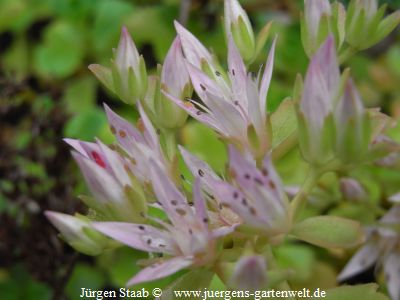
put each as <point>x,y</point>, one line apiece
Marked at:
<point>236,107</point>
<point>186,240</point>
<point>382,248</point>
<point>256,196</point>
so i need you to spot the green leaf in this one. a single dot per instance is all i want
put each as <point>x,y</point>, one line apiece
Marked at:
<point>80,94</point>
<point>62,51</point>
<point>284,128</point>
<point>86,125</point>
<point>329,232</point>
<point>193,280</point>
<point>202,141</point>
<point>364,292</point>
<point>299,258</point>
<point>83,276</point>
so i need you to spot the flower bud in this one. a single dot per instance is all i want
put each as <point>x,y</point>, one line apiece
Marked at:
<point>365,25</point>
<point>352,190</point>
<point>78,232</point>
<point>175,81</point>
<point>250,273</point>
<point>127,77</point>
<point>319,20</point>
<point>237,25</point>
<point>353,134</point>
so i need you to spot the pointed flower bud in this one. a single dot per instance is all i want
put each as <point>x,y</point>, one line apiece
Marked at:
<point>320,92</point>
<point>352,190</point>
<point>250,273</point>
<point>127,77</point>
<point>175,81</point>
<point>366,25</point>
<point>108,176</point>
<point>237,25</point>
<point>78,232</point>
<point>319,20</point>
<point>353,134</point>
<point>333,122</point>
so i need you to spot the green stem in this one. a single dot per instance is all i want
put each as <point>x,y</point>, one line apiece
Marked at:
<point>300,199</point>
<point>346,54</point>
<point>170,143</point>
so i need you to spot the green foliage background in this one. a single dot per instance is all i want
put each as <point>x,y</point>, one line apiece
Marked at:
<point>47,93</point>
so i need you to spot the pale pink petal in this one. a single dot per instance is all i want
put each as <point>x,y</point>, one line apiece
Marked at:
<point>234,199</point>
<point>126,134</point>
<point>266,79</point>
<point>138,236</point>
<point>313,11</point>
<point>117,164</point>
<point>395,198</point>
<point>362,260</point>
<point>126,55</point>
<point>199,203</point>
<point>172,200</point>
<point>201,116</point>
<point>203,84</point>
<point>237,73</point>
<point>174,74</point>
<point>161,270</point>
<point>391,267</point>
<point>326,59</point>
<point>198,167</point>
<point>103,186</point>
<point>76,144</point>
<point>250,273</point>
<point>194,51</point>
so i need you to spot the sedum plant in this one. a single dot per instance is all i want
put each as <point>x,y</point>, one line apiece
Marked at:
<point>231,224</point>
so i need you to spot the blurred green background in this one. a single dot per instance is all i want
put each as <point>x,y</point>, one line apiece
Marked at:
<point>47,93</point>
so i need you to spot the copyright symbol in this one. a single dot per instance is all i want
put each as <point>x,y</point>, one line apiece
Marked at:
<point>157,292</point>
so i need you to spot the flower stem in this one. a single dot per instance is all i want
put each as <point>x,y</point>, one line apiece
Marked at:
<point>346,54</point>
<point>299,200</point>
<point>170,143</point>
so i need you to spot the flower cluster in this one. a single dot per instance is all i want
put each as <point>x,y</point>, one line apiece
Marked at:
<point>229,223</point>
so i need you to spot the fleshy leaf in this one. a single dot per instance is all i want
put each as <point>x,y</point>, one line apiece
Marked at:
<point>329,232</point>
<point>365,292</point>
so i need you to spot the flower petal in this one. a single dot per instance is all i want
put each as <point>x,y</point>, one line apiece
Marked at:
<point>126,134</point>
<point>174,74</point>
<point>138,236</point>
<point>362,260</point>
<point>126,55</point>
<point>194,51</point>
<point>103,186</point>
<point>198,167</point>
<point>266,79</point>
<point>237,73</point>
<point>160,270</point>
<point>250,273</point>
<point>391,267</point>
<point>171,199</point>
